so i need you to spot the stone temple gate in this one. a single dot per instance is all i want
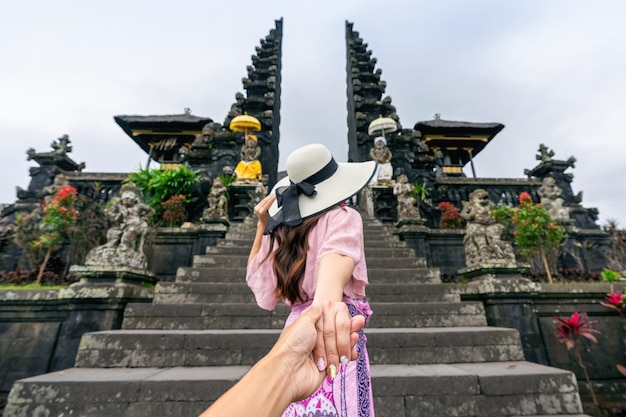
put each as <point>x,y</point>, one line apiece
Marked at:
<point>433,153</point>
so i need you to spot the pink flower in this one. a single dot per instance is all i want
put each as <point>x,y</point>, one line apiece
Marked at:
<point>572,328</point>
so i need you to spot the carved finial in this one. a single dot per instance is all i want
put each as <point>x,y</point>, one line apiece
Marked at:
<point>437,116</point>
<point>187,110</point>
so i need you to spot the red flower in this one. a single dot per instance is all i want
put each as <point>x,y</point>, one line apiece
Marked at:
<point>615,298</point>
<point>524,196</point>
<point>572,328</point>
<point>66,192</point>
<point>615,301</point>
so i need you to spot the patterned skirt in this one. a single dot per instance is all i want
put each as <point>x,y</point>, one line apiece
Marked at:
<point>349,394</point>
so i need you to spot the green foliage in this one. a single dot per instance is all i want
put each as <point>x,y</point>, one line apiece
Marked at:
<point>227,180</point>
<point>535,230</point>
<point>610,276</point>
<point>26,279</point>
<point>90,228</point>
<point>160,185</point>
<point>23,232</point>
<point>58,216</point>
<point>504,215</point>
<point>420,192</point>
<point>532,230</point>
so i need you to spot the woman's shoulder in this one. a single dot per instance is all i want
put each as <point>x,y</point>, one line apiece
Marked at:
<point>340,215</point>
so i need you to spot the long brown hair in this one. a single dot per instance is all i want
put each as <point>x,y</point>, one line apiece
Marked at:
<point>289,258</point>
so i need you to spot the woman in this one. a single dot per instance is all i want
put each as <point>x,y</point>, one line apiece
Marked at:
<point>309,247</point>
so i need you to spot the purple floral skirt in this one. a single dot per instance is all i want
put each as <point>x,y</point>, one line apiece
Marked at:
<point>349,394</point>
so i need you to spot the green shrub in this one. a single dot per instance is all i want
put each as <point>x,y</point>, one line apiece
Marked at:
<point>159,185</point>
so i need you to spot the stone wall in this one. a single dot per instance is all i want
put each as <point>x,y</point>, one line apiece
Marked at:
<point>40,332</point>
<point>532,310</point>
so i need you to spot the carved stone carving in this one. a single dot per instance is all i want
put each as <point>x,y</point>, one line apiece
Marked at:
<point>407,204</point>
<point>125,239</point>
<point>218,202</point>
<point>552,200</point>
<point>382,155</point>
<point>483,245</point>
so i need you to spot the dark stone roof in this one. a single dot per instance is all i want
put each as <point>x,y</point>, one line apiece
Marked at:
<point>449,126</point>
<point>162,123</point>
<point>456,136</point>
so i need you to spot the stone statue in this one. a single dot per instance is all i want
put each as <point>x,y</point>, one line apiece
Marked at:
<point>545,154</point>
<point>382,155</point>
<point>62,146</point>
<point>407,209</point>
<point>125,239</point>
<point>552,200</point>
<point>218,202</point>
<point>249,170</point>
<point>202,145</point>
<point>483,244</point>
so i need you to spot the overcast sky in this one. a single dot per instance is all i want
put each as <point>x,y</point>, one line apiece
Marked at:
<point>551,71</point>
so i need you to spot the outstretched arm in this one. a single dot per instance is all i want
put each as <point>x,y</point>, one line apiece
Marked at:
<point>334,272</point>
<point>286,374</point>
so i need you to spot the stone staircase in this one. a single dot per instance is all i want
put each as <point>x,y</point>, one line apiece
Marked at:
<point>431,353</point>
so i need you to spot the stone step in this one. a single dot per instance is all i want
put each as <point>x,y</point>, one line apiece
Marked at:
<point>203,316</point>
<point>372,242</point>
<point>239,292</point>
<point>247,315</point>
<point>228,260</point>
<point>375,274</point>
<point>157,348</point>
<point>370,253</point>
<point>484,389</point>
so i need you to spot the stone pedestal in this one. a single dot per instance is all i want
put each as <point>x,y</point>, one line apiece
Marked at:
<point>175,247</point>
<point>490,275</point>
<point>107,282</point>
<point>413,232</point>
<point>243,198</point>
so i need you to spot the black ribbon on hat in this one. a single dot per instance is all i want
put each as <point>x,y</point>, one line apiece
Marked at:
<point>288,197</point>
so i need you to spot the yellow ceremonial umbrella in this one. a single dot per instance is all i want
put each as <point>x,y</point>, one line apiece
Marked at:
<point>382,125</point>
<point>244,123</point>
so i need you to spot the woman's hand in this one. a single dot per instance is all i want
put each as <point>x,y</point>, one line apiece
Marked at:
<point>336,337</point>
<point>286,374</point>
<point>260,210</point>
<point>297,340</point>
<point>333,346</point>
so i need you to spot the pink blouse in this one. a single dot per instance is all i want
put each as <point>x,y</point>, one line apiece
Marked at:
<point>339,230</point>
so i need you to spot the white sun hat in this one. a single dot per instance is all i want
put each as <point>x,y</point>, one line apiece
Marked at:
<point>315,182</point>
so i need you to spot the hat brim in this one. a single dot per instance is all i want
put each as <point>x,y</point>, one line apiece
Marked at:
<point>348,180</point>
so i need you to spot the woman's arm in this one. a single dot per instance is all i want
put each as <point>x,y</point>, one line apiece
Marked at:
<point>333,273</point>
<point>261,212</point>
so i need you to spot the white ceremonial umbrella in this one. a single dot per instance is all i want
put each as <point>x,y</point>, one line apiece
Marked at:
<point>382,125</point>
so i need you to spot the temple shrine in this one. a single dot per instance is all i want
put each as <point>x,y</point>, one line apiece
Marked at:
<point>434,153</point>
